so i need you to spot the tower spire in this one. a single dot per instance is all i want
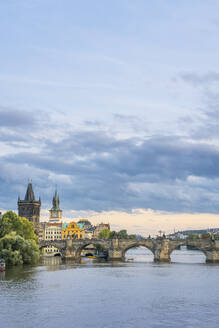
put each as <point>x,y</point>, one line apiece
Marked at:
<point>55,212</point>
<point>55,201</point>
<point>30,208</point>
<point>29,197</point>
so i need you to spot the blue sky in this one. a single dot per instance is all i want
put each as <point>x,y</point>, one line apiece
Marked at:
<point>116,102</point>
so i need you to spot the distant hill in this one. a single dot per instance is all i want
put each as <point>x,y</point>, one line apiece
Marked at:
<point>193,232</point>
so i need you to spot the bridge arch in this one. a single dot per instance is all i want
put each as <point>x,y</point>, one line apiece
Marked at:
<point>53,243</point>
<point>88,243</point>
<point>137,245</point>
<point>200,258</point>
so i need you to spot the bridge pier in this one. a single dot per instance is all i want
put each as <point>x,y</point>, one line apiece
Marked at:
<point>71,252</point>
<point>162,251</point>
<point>212,256</point>
<point>115,253</point>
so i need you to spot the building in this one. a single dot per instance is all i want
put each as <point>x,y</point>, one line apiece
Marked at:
<point>53,231</point>
<point>55,211</point>
<point>72,231</point>
<point>100,227</point>
<point>84,224</point>
<point>87,228</point>
<point>89,233</point>
<point>41,234</point>
<point>53,228</point>
<point>30,208</point>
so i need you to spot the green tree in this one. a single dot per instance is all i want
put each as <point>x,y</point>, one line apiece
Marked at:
<point>105,234</point>
<point>123,234</point>
<point>216,237</point>
<point>12,222</point>
<point>18,242</point>
<point>98,248</point>
<point>113,234</point>
<point>195,236</point>
<point>132,236</point>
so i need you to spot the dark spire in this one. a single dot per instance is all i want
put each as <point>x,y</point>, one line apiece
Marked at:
<point>29,197</point>
<point>55,201</point>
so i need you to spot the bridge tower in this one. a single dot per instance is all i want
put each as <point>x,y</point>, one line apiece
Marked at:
<point>30,208</point>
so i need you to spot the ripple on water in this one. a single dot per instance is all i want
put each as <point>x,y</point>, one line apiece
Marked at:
<point>91,294</point>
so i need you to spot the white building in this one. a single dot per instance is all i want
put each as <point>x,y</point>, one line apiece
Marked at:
<point>53,228</point>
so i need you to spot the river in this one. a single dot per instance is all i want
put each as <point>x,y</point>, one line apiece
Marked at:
<point>140,293</point>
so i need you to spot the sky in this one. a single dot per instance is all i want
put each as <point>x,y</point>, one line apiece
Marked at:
<point>115,103</point>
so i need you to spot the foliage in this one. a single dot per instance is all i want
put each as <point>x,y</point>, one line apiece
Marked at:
<point>105,234</point>
<point>122,234</point>
<point>18,243</point>
<point>195,236</point>
<point>99,248</point>
<point>12,222</point>
<point>132,237</point>
<point>216,237</point>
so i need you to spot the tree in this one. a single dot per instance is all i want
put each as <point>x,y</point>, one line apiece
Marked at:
<point>216,237</point>
<point>122,234</point>
<point>12,222</point>
<point>99,248</point>
<point>113,234</point>
<point>105,234</point>
<point>18,242</point>
<point>132,236</point>
<point>194,236</point>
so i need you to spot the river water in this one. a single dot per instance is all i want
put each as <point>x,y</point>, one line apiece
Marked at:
<point>139,293</point>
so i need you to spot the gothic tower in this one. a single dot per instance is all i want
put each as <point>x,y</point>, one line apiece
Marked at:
<point>30,208</point>
<point>55,212</point>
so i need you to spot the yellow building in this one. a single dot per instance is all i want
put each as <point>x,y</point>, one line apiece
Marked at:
<point>72,232</point>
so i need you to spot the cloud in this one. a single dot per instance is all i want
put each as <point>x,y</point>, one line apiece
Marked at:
<point>196,79</point>
<point>97,171</point>
<point>148,221</point>
<point>204,123</point>
<point>14,118</point>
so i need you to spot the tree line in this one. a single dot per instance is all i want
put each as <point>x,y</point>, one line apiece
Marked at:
<point>122,234</point>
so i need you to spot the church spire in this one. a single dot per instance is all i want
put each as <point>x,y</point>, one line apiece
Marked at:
<point>29,197</point>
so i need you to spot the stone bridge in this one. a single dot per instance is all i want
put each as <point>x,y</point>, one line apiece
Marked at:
<point>116,248</point>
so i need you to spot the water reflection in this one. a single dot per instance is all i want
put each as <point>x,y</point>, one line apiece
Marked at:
<point>134,255</point>
<point>2,275</point>
<point>51,260</point>
<point>19,273</point>
<point>89,294</point>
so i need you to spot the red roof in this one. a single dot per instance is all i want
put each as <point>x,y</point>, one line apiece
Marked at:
<point>53,224</point>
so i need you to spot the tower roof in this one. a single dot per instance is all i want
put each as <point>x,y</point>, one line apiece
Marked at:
<point>29,197</point>
<point>55,201</point>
